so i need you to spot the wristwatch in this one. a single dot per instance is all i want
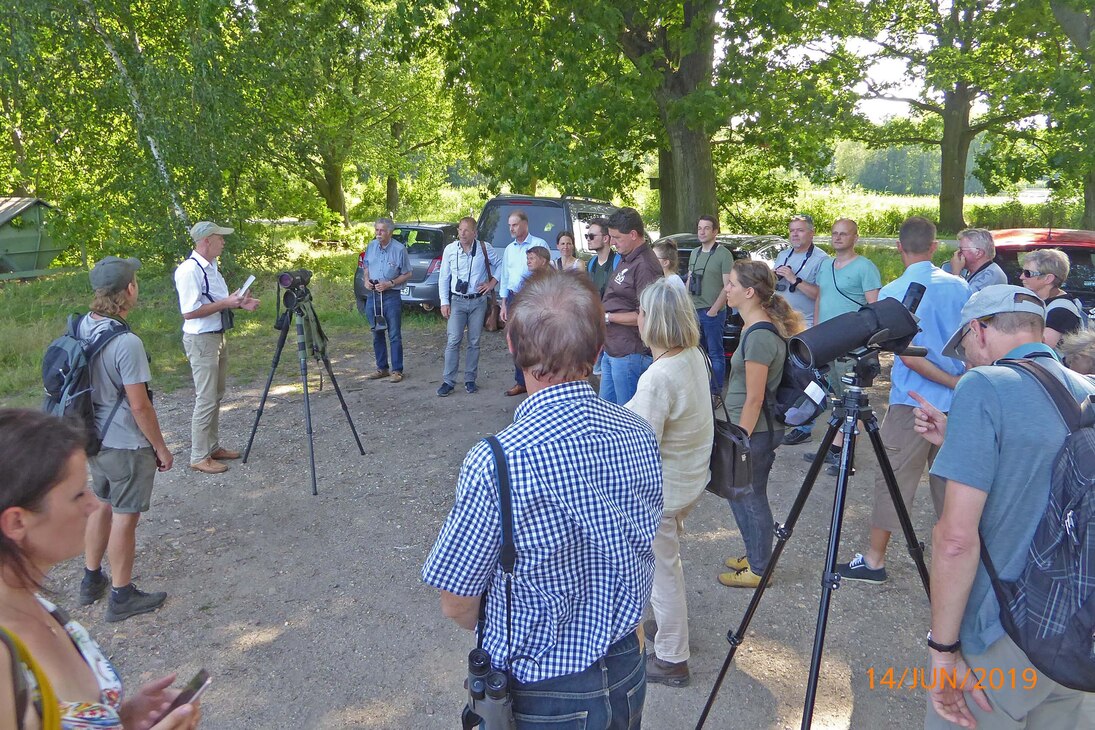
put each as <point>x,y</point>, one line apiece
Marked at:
<point>947,648</point>
<point>606,318</point>
<point>795,283</point>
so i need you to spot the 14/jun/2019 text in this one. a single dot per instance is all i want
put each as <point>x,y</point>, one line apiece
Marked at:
<point>918,678</point>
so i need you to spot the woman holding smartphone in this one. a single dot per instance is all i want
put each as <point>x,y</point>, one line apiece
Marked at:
<point>755,370</point>
<point>44,506</point>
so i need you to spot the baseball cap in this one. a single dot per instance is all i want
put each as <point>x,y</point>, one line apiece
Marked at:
<point>995,299</point>
<point>113,273</point>
<point>201,229</point>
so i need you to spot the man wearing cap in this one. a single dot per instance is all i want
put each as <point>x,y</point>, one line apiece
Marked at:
<point>932,377</point>
<point>207,310</point>
<point>797,269</point>
<point>998,480</point>
<point>133,447</point>
<point>384,268</point>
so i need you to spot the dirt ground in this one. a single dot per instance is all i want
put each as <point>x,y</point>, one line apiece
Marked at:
<point>309,611</point>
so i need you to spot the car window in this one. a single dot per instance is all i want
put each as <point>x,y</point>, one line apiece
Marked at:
<point>545,220</point>
<point>420,240</point>
<point>1081,272</point>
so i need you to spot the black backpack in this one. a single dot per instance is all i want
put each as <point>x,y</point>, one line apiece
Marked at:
<point>800,395</point>
<point>66,375</point>
<point>1049,611</point>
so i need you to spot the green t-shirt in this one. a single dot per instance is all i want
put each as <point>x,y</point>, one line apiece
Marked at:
<point>855,279</point>
<point>762,346</point>
<point>711,267</point>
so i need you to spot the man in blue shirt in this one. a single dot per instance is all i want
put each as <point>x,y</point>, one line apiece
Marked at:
<point>514,272</point>
<point>466,280</point>
<point>998,449</point>
<point>933,377</point>
<point>385,262</point>
<point>585,512</point>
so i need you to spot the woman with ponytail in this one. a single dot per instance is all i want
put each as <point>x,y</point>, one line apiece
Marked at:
<point>755,370</point>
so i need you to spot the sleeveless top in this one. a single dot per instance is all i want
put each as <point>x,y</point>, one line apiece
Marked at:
<point>101,715</point>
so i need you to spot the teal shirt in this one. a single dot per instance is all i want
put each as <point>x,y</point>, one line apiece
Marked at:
<point>854,280</point>
<point>1003,435</point>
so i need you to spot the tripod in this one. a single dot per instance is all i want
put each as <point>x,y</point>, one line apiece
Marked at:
<point>855,407</point>
<point>310,336</point>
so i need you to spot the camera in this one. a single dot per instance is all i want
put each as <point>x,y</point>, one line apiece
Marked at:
<point>695,283</point>
<point>461,287</point>
<point>294,279</point>
<point>489,704</point>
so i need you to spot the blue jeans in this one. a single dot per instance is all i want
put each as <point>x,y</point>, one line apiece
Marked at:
<point>469,314</point>
<point>608,695</point>
<point>752,511</point>
<point>390,305</point>
<point>711,335</point>
<point>518,374</point>
<point>620,376</point>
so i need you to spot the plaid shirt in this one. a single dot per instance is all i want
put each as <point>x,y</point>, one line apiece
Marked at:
<point>586,481</point>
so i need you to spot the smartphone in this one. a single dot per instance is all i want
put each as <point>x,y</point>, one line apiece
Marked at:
<point>191,692</point>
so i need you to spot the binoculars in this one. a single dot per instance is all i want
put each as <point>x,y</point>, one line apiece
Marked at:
<point>461,287</point>
<point>695,283</point>
<point>489,704</point>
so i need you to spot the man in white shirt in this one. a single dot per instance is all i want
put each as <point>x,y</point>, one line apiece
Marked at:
<point>514,271</point>
<point>466,280</point>
<point>207,310</point>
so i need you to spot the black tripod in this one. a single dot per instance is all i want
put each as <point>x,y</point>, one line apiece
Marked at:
<point>310,336</point>
<point>855,407</point>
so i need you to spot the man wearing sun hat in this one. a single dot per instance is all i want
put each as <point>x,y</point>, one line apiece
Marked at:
<point>207,310</point>
<point>123,471</point>
<point>999,445</point>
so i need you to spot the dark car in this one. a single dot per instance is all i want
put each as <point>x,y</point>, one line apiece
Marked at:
<point>1079,246</point>
<point>761,248</point>
<point>546,217</point>
<point>425,243</point>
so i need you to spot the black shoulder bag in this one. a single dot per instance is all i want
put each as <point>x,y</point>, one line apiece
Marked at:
<point>731,463</point>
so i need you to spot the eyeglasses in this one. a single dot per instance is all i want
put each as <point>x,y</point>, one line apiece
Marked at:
<point>1030,274</point>
<point>967,329</point>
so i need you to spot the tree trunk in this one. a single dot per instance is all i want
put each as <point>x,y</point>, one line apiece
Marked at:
<point>333,194</point>
<point>140,123</point>
<point>670,218</point>
<point>391,196</point>
<point>1088,222</point>
<point>692,190</point>
<point>954,151</point>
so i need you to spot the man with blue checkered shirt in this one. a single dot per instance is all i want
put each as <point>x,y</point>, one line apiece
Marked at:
<point>585,511</point>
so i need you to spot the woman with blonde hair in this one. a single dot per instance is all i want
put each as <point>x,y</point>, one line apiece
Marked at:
<point>669,258</point>
<point>673,396</point>
<point>1044,272</point>
<point>755,370</point>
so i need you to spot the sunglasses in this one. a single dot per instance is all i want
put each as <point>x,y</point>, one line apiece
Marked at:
<point>591,236</point>
<point>1030,274</point>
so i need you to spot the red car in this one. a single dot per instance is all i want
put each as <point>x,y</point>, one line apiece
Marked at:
<point>1079,246</point>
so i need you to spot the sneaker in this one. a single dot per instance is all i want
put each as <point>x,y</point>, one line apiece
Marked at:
<point>796,436</point>
<point>396,377</point>
<point>671,674</point>
<point>471,387</point>
<point>858,569</point>
<point>833,457</point>
<point>833,470</point>
<point>650,630</point>
<point>92,588</point>
<point>137,603</point>
<point>741,563</point>
<point>444,390</point>
<point>741,579</point>
<point>377,375</point>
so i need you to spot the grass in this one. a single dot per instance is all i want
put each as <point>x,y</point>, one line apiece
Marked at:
<point>35,313</point>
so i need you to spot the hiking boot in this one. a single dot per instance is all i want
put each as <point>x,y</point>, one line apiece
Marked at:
<point>671,674</point>
<point>92,587</point>
<point>796,436</point>
<point>445,390</point>
<point>833,457</point>
<point>209,466</point>
<point>377,375</point>
<point>857,569</point>
<point>516,390</point>
<point>650,630</point>
<point>741,579</point>
<point>738,564</point>
<point>471,387</point>
<point>136,603</point>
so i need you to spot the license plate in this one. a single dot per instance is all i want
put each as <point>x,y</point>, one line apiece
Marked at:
<point>405,291</point>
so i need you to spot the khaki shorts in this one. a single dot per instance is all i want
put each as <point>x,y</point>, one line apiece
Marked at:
<point>124,477</point>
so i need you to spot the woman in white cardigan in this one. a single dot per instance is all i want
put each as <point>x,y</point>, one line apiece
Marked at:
<point>674,397</point>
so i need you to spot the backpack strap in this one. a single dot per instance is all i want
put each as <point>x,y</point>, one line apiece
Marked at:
<point>1058,392</point>
<point>94,349</point>
<point>47,706</point>
<point>766,404</point>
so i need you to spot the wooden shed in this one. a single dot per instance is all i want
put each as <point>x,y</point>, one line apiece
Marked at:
<point>26,247</point>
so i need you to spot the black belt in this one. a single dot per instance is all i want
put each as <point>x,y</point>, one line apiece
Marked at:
<point>467,296</point>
